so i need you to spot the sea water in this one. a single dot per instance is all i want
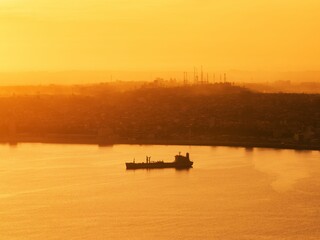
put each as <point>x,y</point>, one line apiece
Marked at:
<point>56,191</point>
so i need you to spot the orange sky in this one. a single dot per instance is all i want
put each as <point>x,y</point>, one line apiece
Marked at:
<point>173,35</point>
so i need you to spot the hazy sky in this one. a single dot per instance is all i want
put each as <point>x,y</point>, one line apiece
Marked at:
<point>159,34</point>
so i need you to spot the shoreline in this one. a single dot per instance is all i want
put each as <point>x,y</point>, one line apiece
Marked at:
<point>92,140</point>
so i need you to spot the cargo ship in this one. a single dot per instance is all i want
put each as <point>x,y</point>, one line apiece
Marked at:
<point>180,162</point>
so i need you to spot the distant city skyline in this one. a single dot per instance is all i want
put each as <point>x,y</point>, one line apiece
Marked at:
<point>91,77</point>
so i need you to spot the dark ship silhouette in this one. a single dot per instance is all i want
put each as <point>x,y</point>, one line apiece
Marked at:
<point>181,162</point>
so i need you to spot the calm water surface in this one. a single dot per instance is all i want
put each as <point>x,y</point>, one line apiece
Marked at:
<point>84,192</point>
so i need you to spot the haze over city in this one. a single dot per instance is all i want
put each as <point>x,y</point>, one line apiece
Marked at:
<point>158,36</point>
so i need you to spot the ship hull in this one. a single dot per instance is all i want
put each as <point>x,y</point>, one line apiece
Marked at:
<point>158,165</point>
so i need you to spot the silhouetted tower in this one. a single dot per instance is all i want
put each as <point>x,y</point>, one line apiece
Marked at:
<point>185,78</point>
<point>196,77</point>
<point>225,77</point>
<point>201,75</point>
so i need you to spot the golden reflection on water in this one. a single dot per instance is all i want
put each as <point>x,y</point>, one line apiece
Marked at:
<point>285,168</point>
<point>84,192</point>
